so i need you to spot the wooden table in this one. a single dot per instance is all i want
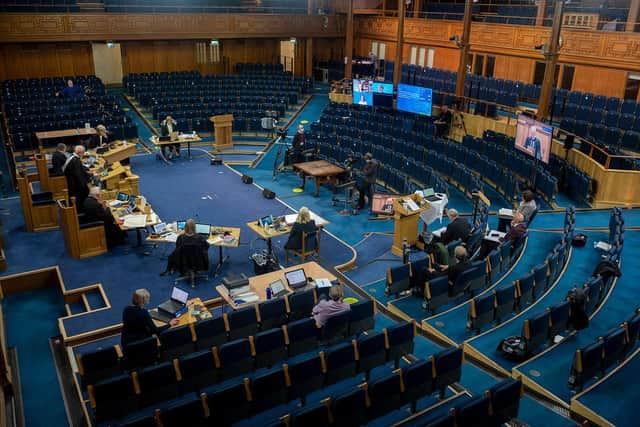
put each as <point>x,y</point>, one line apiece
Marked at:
<point>181,139</point>
<point>64,133</point>
<point>151,219</point>
<point>121,150</point>
<point>259,284</point>
<point>321,170</point>
<point>115,176</point>
<point>188,318</point>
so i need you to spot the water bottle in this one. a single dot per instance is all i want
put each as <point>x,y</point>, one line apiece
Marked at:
<point>269,293</point>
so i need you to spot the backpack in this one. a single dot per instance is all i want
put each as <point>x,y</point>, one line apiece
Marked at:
<point>513,348</point>
<point>579,240</point>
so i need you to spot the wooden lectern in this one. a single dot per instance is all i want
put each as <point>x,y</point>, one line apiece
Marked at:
<point>406,221</point>
<point>222,126</point>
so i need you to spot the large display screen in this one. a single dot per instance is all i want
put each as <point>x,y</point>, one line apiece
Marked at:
<point>372,93</point>
<point>534,138</point>
<point>414,99</point>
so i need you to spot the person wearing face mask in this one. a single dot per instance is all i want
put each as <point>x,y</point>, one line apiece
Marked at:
<point>370,173</point>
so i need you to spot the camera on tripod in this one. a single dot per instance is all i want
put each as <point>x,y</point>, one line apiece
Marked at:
<point>282,133</point>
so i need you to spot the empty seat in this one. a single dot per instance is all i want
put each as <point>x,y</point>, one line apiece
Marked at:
<point>436,293</point>
<point>210,332</point>
<point>302,336</point>
<point>268,390</point>
<point>417,379</point>
<point>316,415</point>
<point>350,409</point>
<point>336,327</point>
<point>505,301</point>
<point>535,331</point>
<point>540,275</point>
<point>229,404</point>
<point>269,347</point>
<point>273,313</point>
<point>300,304</point>
<point>613,347</point>
<point>474,412</point>
<point>305,376</point>
<point>184,412</point>
<point>340,362</point>
<point>362,317</point>
<point>141,353</point>
<point>384,395</point>
<point>505,400</point>
<point>371,352</point>
<point>175,342</point>
<point>632,327</point>
<point>157,383</point>
<point>587,363</point>
<point>235,358</point>
<point>98,365</point>
<point>447,368</point>
<point>399,340</point>
<point>242,323</point>
<point>558,318</point>
<point>198,370</point>
<point>112,398</point>
<point>481,311</point>
<point>398,279</point>
<point>525,290</point>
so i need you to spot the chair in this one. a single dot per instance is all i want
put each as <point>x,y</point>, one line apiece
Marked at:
<point>436,293</point>
<point>301,336</point>
<point>183,412</point>
<point>141,353</point>
<point>39,209</point>
<point>540,278</point>
<point>481,311</point>
<point>474,412</point>
<point>587,363</point>
<point>535,331</point>
<point>613,347</point>
<point>371,352</point>
<point>80,241</point>
<point>198,370</point>
<point>524,285</point>
<point>340,362</point>
<point>505,255</point>
<point>463,282</point>
<point>273,313</point>
<point>138,420</point>
<point>505,400</point>
<point>242,323</point>
<point>447,368</point>
<point>632,327</point>
<point>399,340</point>
<point>304,376</point>
<point>112,398</point>
<point>300,304</point>
<point>505,301</point>
<point>350,409</point>
<point>558,318</point>
<point>384,395</point>
<point>310,245</point>
<point>362,317</point>
<point>156,384</point>
<point>210,332</point>
<point>175,342</point>
<point>57,185</point>
<point>229,404</point>
<point>316,415</point>
<point>336,327</point>
<point>268,347</point>
<point>98,365</point>
<point>192,261</point>
<point>493,260</point>
<point>417,380</point>
<point>268,390</point>
<point>234,358</point>
<point>398,279</point>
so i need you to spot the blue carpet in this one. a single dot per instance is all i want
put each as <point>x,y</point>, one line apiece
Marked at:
<point>536,414</point>
<point>30,321</point>
<point>580,267</point>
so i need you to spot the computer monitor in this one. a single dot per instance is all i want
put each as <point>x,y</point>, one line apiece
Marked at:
<point>180,224</point>
<point>427,192</point>
<point>132,202</point>
<point>122,197</point>
<point>203,229</point>
<point>160,228</point>
<point>382,204</point>
<point>179,295</point>
<point>277,288</point>
<point>296,278</point>
<point>266,221</point>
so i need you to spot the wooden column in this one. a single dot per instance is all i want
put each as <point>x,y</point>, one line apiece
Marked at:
<point>464,49</point>
<point>632,17</point>
<point>551,52</point>
<point>348,43</point>
<point>417,5</point>
<point>308,56</point>
<point>397,68</point>
<point>542,8</point>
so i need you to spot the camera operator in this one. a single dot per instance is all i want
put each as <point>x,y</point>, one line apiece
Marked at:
<point>298,144</point>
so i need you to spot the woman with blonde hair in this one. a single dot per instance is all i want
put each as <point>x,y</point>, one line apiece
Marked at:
<point>187,238</point>
<point>303,224</point>
<point>136,321</point>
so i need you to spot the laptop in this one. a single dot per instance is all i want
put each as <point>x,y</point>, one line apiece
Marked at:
<point>296,279</point>
<point>430,195</point>
<point>160,316</point>
<point>203,229</point>
<point>176,303</point>
<point>265,221</point>
<point>180,224</point>
<point>164,138</point>
<point>161,229</point>
<point>122,197</point>
<point>277,288</point>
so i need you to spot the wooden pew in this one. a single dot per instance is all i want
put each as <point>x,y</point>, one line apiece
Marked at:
<point>56,184</point>
<point>80,241</point>
<point>39,214</point>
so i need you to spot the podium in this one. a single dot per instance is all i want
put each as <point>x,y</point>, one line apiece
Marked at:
<point>406,221</point>
<point>222,126</point>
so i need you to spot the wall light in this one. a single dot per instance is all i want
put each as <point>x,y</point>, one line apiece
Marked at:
<point>293,40</point>
<point>110,44</point>
<point>215,42</point>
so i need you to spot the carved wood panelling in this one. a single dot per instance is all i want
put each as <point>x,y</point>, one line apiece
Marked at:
<point>83,27</point>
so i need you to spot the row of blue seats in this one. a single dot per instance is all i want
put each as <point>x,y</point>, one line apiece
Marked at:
<point>22,141</point>
<point>201,87</point>
<point>187,77</point>
<point>252,67</point>
<point>216,368</point>
<point>571,180</point>
<point>179,114</point>
<point>595,359</point>
<point>400,182</point>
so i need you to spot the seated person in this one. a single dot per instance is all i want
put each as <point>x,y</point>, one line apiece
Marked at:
<point>526,207</point>
<point>458,229</point>
<point>303,224</point>
<point>453,271</point>
<point>443,122</point>
<point>58,159</point>
<point>167,127</point>
<point>136,321</point>
<point>177,261</point>
<point>518,228</point>
<point>101,137</point>
<point>96,209</point>
<point>71,91</point>
<point>330,307</point>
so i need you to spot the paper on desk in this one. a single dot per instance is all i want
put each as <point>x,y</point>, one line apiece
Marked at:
<point>114,203</point>
<point>171,237</point>
<point>505,212</point>
<point>135,221</point>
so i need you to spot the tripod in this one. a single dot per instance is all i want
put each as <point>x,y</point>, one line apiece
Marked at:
<point>279,163</point>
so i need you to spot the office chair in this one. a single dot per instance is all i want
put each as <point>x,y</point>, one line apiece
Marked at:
<point>310,246</point>
<point>193,261</point>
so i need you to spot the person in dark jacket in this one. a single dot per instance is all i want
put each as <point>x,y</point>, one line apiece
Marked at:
<point>453,271</point>
<point>101,137</point>
<point>458,229</point>
<point>370,172</point>
<point>58,159</point>
<point>518,228</point>
<point>303,224</point>
<point>95,209</point>
<point>136,321</point>
<point>167,127</point>
<point>298,144</point>
<point>71,91</point>
<point>187,238</point>
<point>78,177</point>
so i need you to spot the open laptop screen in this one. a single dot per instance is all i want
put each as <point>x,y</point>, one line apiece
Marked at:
<point>160,228</point>
<point>180,225</point>
<point>296,277</point>
<point>203,229</point>
<point>179,295</point>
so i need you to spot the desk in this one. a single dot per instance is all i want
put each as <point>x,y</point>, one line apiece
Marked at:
<point>122,150</point>
<point>188,318</point>
<point>64,133</point>
<point>151,219</point>
<point>259,284</point>
<point>435,210</point>
<point>188,138</point>
<point>494,236</point>
<point>321,170</point>
<point>115,176</point>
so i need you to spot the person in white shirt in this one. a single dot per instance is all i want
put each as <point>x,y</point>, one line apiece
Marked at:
<point>167,127</point>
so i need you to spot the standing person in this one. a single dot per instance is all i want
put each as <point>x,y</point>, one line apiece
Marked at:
<point>526,207</point>
<point>101,137</point>
<point>58,159</point>
<point>136,321</point>
<point>71,91</point>
<point>78,177</point>
<point>532,143</point>
<point>443,123</point>
<point>303,224</point>
<point>370,172</point>
<point>95,209</point>
<point>330,307</point>
<point>167,127</point>
<point>298,144</point>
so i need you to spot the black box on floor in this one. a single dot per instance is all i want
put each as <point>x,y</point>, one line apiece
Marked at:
<point>262,264</point>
